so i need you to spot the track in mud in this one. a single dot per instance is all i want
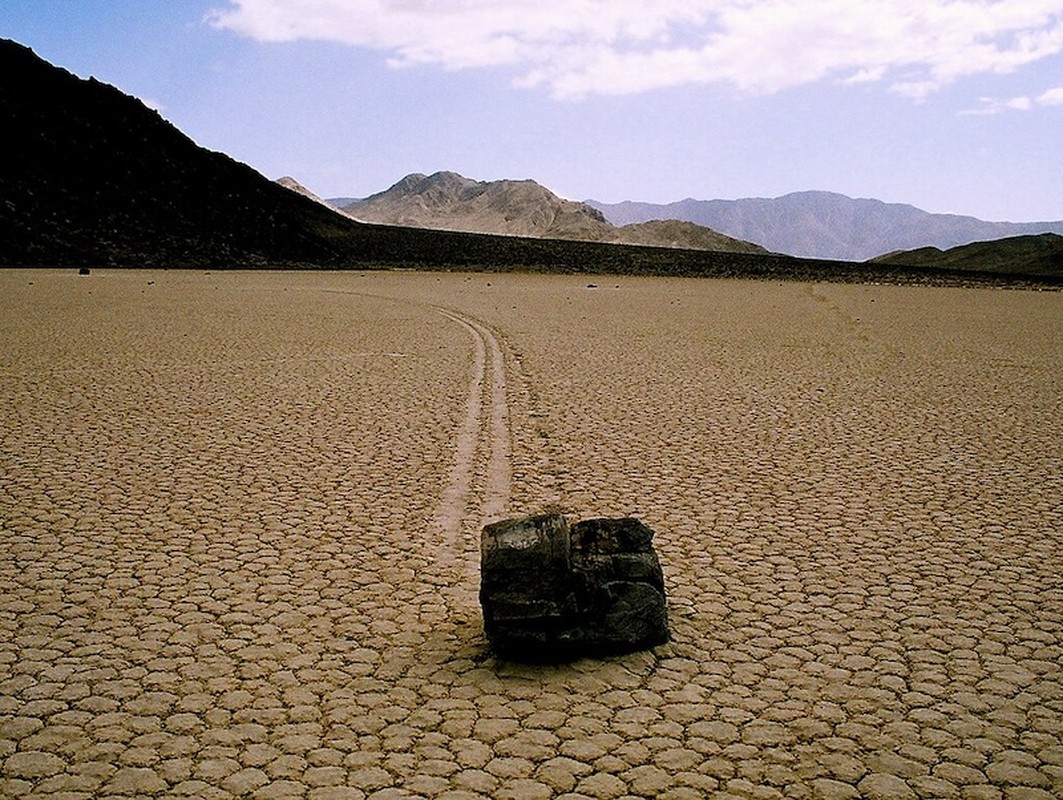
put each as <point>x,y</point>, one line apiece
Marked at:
<point>477,488</point>
<point>482,450</point>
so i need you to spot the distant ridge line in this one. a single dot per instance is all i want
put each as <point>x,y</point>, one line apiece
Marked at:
<point>821,224</point>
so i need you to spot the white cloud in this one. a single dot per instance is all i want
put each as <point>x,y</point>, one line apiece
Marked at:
<point>996,105</point>
<point>575,48</point>
<point>1053,97</point>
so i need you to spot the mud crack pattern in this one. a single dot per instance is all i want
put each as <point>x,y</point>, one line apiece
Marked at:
<point>237,511</point>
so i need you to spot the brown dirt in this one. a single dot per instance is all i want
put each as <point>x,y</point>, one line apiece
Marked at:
<point>233,561</point>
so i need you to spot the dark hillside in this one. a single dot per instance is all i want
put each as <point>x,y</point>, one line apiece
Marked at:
<point>93,176</point>
<point>1029,255</point>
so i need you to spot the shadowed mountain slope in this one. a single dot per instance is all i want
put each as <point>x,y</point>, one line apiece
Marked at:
<point>1030,255</point>
<point>93,176</point>
<point>825,224</point>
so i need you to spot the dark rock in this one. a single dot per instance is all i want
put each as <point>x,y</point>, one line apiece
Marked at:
<point>84,271</point>
<point>552,592</point>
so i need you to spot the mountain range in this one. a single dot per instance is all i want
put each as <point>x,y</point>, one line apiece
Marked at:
<point>820,225</point>
<point>825,224</point>
<point>449,201</point>
<point>92,177</point>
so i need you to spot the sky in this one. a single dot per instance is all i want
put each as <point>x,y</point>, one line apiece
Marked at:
<point>952,106</point>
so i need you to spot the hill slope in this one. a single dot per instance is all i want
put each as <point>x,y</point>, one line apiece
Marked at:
<point>825,224</point>
<point>676,233</point>
<point>96,177</point>
<point>448,201</point>
<point>1030,255</point>
<point>291,183</point>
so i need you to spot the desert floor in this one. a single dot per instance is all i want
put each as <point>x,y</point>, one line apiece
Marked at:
<point>239,521</point>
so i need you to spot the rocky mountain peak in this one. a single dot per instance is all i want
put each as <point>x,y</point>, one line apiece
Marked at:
<point>449,201</point>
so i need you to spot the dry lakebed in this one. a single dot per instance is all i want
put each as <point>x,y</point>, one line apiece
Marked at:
<point>240,518</point>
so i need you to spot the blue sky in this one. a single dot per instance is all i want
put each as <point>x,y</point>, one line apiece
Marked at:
<point>952,106</point>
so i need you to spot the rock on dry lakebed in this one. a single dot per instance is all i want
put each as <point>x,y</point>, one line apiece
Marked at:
<point>552,591</point>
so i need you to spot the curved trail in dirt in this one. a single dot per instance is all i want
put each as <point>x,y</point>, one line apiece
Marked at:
<point>477,488</point>
<point>481,459</point>
<point>487,384</point>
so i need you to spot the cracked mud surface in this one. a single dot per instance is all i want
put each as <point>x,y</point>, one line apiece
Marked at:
<point>239,521</point>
